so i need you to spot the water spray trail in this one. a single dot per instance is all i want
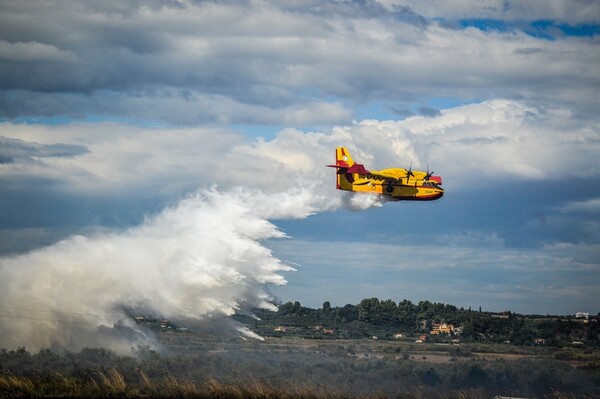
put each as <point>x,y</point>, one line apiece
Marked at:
<point>203,258</point>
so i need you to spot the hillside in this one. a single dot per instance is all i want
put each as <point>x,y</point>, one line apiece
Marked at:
<point>421,350</point>
<point>435,321</point>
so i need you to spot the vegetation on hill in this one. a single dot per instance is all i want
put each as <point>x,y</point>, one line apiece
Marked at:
<point>385,319</point>
<point>331,353</point>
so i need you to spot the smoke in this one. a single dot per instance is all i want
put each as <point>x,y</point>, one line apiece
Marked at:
<point>200,259</point>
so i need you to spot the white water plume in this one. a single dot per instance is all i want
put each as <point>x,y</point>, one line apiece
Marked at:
<point>361,201</point>
<point>201,259</point>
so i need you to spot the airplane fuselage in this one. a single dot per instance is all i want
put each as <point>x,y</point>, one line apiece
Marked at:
<point>409,190</point>
<point>397,183</point>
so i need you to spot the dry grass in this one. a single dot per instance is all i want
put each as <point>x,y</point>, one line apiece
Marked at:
<point>111,384</point>
<point>11,386</point>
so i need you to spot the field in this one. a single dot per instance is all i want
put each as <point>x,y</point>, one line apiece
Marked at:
<point>193,365</point>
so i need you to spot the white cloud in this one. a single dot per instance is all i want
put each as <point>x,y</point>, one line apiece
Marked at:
<point>590,206</point>
<point>504,139</point>
<point>33,52</point>
<point>123,157</point>
<point>569,11</point>
<point>495,140</point>
<point>275,64</point>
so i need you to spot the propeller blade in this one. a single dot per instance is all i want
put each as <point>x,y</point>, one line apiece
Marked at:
<point>429,174</point>
<point>409,173</point>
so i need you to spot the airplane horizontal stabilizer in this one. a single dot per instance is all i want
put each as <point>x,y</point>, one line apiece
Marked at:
<point>355,168</point>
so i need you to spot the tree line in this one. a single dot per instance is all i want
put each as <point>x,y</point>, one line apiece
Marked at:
<point>385,318</point>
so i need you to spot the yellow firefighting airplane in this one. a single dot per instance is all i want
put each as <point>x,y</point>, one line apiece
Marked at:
<point>397,183</point>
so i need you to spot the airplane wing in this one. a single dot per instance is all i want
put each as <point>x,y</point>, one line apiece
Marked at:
<point>390,174</point>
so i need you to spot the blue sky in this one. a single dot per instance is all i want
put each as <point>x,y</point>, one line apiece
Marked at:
<point>112,113</point>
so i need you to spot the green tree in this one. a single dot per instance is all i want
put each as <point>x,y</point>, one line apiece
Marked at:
<point>387,312</point>
<point>406,314</point>
<point>347,314</point>
<point>368,310</point>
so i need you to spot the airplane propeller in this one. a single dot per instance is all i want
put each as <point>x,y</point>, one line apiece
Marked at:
<point>429,174</point>
<point>409,173</point>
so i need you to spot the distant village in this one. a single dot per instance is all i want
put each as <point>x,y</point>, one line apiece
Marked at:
<point>424,322</point>
<point>448,333</point>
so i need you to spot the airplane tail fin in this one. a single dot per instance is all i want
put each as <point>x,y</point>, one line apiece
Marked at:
<point>345,164</point>
<point>343,158</point>
<point>346,168</point>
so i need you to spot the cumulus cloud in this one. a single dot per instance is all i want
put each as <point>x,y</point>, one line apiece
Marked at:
<point>275,63</point>
<point>12,149</point>
<point>33,52</point>
<point>506,139</point>
<point>178,107</point>
<point>589,206</point>
<point>572,12</point>
<point>497,140</point>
